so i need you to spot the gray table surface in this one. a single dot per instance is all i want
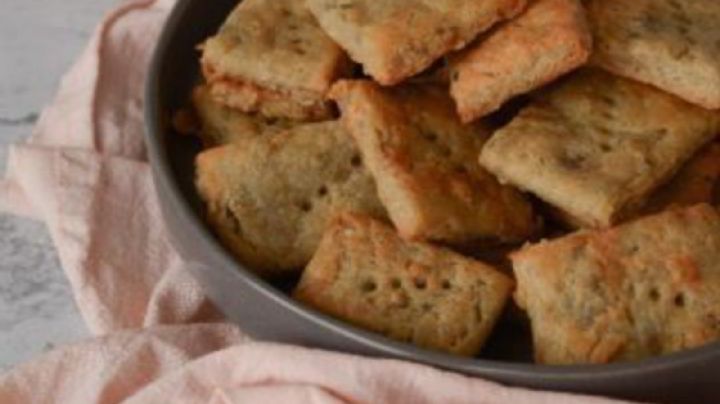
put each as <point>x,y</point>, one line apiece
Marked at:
<point>38,41</point>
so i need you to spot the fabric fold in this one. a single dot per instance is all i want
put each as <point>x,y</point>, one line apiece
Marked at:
<point>112,368</point>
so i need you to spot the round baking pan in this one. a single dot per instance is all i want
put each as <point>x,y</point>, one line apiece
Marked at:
<point>266,312</point>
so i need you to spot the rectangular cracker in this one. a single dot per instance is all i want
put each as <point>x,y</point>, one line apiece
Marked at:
<point>271,57</point>
<point>671,44</point>
<point>269,198</point>
<point>394,40</point>
<point>425,164</point>
<point>409,291</point>
<point>220,125</point>
<point>647,288</point>
<point>548,40</point>
<point>597,145</point>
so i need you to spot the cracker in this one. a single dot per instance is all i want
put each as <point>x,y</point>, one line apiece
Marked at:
<point>548,40</point>
<point>413,292</point>
<point>220,125</point>
<point>697,182</point>
<point>643,289</point>
<point>271,57</point>
<point>671,44</point>
<point>269,198</point>
<point>396,40</point>
<point>597,145</point>
<point>425,164</point>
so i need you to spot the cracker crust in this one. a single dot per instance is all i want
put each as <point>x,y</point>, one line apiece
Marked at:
<point>250,98</point>
<point>220,125</point>
<point>269,198</point>
<point>697,182</point>
<point>365,274</point>
<point>270,56</point>
<point>597,145</point>
<point>396,40</point>
<point>671,44</point>
<point>647,288</point>
<point>425,164</point>
<point>549,39</point>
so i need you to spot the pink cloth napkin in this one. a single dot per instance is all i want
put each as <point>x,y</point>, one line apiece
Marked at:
<point>83,172</point>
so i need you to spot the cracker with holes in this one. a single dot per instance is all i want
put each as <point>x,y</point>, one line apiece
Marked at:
<point>647,288</point>
<point>597,145</point>
<point>409,291</point>
<point>220,125</point>
<point>271,57</point>
<point>671,44</point>
<point>548,40</point>
<point>425,164</point>
<point>394,40</point>
<point>269,198</point>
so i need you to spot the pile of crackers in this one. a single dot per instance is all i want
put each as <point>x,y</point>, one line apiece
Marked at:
<point>375,149</point>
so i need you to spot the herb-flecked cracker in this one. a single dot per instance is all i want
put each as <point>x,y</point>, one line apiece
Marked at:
<point>364,273</point>
<point>671,44</point>
<point>271,57</point>
<point>597,146</point>
<point>424,161</point>
<point>643,289</point>
<point>220,125</point>
<point>548,40</point>
<point>395,40</point>
<point>269,198</point>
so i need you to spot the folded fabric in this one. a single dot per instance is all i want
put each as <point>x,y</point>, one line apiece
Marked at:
<point>83,172</point>
<point>215,363</point>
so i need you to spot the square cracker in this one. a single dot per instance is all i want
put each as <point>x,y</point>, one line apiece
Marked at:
<point>220,125</point>
<point>548,40</point>
<point>671,44</point>
<point>425,164</point>
<point>269,198</point>
<point>394,40</point>
<point>643,289</point>
<point>597,145</point>
<point>409,291</point>
<point>271,57</point>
